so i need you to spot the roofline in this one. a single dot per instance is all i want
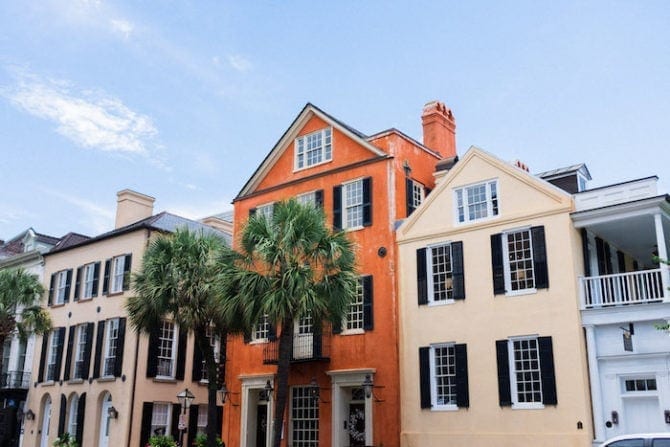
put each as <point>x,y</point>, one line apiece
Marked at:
<point>639,203</point>
<point>619,183</point>
<point>102,237</point>
<point>20,258</point>
<point>406,137</point>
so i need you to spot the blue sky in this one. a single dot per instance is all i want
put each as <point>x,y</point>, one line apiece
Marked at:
<point>181,100</point>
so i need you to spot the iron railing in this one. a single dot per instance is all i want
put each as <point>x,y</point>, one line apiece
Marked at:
<point>305,348</point>
<point>15,380</point>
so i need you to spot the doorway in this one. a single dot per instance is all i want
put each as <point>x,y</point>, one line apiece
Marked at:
<point>105,420</point>
<point>643,415</point>
<point>355,422</point>
<point>303,338</point>
<point>46,420</point>
<point>261,424</point>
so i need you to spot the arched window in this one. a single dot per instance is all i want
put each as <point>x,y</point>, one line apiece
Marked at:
<point>73,415</point>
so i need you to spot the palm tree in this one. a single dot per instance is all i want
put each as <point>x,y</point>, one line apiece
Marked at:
<point>178,280</point>
<point>291,266</point>
<point>20,294</point>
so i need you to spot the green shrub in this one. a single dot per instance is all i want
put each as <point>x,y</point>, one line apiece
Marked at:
<point>162,441</point>
<point>201,441</point>
<point>65,440</point>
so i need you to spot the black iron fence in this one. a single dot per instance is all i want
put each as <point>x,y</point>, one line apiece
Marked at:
<point>305,347</point>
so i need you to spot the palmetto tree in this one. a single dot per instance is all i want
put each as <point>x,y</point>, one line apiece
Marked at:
<point>20,294</point>
<point>178,281</point>
<point>291,266</point>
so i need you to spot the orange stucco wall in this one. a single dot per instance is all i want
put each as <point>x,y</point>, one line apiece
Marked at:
<point>378,348</point>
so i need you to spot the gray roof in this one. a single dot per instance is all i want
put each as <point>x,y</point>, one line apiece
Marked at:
<point>566,170</point>
<point>226,215</point>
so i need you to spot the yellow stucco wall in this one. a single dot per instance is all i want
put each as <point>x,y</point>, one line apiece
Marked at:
<point>482,318</point>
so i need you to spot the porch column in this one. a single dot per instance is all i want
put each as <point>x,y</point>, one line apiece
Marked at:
<point>594,378</point>
<point>663,254</point>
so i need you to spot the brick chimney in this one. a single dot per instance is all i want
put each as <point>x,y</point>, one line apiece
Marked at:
<point>439,129</point>
<point>131,207</point>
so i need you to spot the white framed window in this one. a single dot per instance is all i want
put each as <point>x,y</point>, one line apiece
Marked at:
<point>118,268</point>
<point>160,418</point>
<point>73,411</point>
<point>477,202</point>
<point>313,149</point>
<point>55,347</point>
<point>261,331</point>
<point>265,210</point>
<point>214,343</point>
<point>62,287</point>
<point>304,418</point>
<point>305,325</point>
<point>518,261</point>
<point>89,280</point>
<point>525,372</point>
<point>202,419</point>
<point>352,211</point>
<point>354,318</point>
<point>639,385</point>
<point>443,376</point>
<point>417,194</point>
<point>111,346</point>
<point>79,351</point>
<point>167,349</point>
<point>308,198</point>
<point>440,274</point>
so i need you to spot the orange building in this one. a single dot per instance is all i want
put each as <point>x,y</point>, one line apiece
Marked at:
<point>366,185</point>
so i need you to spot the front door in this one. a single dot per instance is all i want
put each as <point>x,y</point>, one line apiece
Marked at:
<point>104,421</point>
<point>356,418</point>
<point>46,420</point>
<point>261,425</point>
<point>303,338</point>
<point>643,414</point>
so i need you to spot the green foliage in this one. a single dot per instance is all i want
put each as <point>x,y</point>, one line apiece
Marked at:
<point>65,440</point>
<point>162,441</point>
<point>201,441</point>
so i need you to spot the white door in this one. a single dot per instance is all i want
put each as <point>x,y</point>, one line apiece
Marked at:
<point>46,419</point>
<point>104,422</point>
<point>643,414</point>
<point>303,338</point>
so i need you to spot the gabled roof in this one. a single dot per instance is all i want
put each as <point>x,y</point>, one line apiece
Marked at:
<point>164,221</point>
<point>70,240</point>
<point>401,134</point>
<point>305,114</point>
<point>560,172</point>
<point>15,245</point>
<point>226,216</point>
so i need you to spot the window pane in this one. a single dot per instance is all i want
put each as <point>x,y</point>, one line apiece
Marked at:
<point>445,375</point>
<point>304,418</point>
<point>166,349</point>
<point>527,371</point>
<point>442,278</point>
<point>353,204</point>
<point>354,318</point>
<point>520,260</point>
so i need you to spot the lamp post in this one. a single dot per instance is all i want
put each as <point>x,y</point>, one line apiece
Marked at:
<point>185,398</point>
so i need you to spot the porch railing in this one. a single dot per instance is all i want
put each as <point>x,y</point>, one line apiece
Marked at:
<point>304,348</point>
<point>15,380</point>
<point>621,289</point>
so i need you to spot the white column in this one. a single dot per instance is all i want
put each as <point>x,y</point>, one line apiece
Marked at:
<point>594,378</point>
<point>663,254</point>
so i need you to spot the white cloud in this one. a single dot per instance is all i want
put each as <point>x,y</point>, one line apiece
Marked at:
<point>239,63</point>
<point>122,27</point>
<point>98,218</point>
<point>90,119</point>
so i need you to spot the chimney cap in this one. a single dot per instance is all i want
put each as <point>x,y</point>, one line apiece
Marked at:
<point>127,193</point>
<point>437,107</point>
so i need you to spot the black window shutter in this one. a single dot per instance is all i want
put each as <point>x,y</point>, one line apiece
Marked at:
<point>81,411</point>
<point>89,345</point>
<point>318,198</point>
<point>421,276</point>
<point>68,355</point>
<point>192,423</point>
<point>145,428</point>
<point>252,212</point>
<point>409,192</point>
<point>120,342</point>
<point>547,371</point>
<point>497,264</point>
<point>105,279</point>
<point>247,335</point>
<point>181,354</point>
<point>621,261</point>
<point>152,355</point>
<point>96,279</point>
<point>337,207</point>
<point>99,340</point>
<point>196,370</point>
<point>59,352</point>
<point>61,415</point>
<point>126,271</point>
<point>368,299</point>
<point>462,390</point>
<point>608,259</point>
<point>585,252</point>
<point>272,331</point>
<point>174,426</point>
<point>424,376</point>
<point>68,285</point>
<point>457,270</point>
<point>337,326</point>
<point>367,201</point>
<point>51,289</point>
<point>426,191</point>
<point>77,284</point>
<point>43,357</point>
<point>219,416</point>
<point>540,258</point>
<point>504,388</point>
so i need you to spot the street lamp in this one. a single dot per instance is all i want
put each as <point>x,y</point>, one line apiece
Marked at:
<point>185,398</point>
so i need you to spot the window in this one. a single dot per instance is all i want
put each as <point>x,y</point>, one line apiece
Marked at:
<point>314,148</point>
<point>214,342</point>
<point>352,204</point>
<point>415,193</point>
<point>265,211</point>
<point>440,277</point>
<point>6,351</point>
<point>354,317</point>
<point>72,417</point>
<point>160,418</point>
<point>443,370</point>
<point>359,315</point>
<point>526,372</point>
<point>55,353</point>
<point>477,202</point>
<point>519,261</point>
<point>261,331</point>
<point>166,349</point>
<point>81,339</point>
<point>89,285</point>
<point>641,384</point>
<point>111,347</point>
<point>314,198</point>
<point>202,419</point>
<point>304,418</point>
<point>118,273</point>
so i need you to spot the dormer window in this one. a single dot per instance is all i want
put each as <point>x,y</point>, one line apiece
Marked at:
<point>314,148</point>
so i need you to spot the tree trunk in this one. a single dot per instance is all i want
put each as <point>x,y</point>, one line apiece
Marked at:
<point>281,388</point>
<point>3,380</point>
<point>210,363</point>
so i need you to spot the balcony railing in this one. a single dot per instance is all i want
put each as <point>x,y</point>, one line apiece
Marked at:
<point>305,348</point>
<point>15,380</point>
<point>622,289</point>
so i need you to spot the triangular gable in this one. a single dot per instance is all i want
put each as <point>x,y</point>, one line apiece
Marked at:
<point>291,133</point>
<point>446,184</point>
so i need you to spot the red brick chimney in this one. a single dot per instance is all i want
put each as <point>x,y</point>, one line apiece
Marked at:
<point>439,129</point>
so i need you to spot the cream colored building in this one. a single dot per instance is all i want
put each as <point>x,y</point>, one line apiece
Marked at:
<point>94,377</point>
<point>492,349</point>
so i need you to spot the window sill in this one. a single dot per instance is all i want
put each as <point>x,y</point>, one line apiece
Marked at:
<point>88,298</point>
<point>353,332</point>
<point>120,292</point>
<point>521,292</point>
<point>259,341</point>
<point>348,229</point>
<point>529,406</point>
<point>107,379</point>
<point>297,169</point>
<point>75,381</point>
<point>444,408</point>
<point>54,305</point>
<point>476,221</point>
<point>49,383</point>
<point>164,379</point>
<point>441,303</point>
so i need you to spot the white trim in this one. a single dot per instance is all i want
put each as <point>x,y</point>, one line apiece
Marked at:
<point>516,405</point>
<point>249,384</point>
<point>506,262</point>
<point>429,274</point>
<point>489,201</point>
<point>304,139</point>
<point>433,382</point>
<point>349,378</point>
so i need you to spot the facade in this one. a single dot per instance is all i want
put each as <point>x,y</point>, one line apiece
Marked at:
<point>365,184</point>
<point>23,251</point>
<point>491,345</point>
<point>95,377</point>
<point>624,297</point>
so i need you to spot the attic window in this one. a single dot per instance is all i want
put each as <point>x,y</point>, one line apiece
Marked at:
<point>314,148</point>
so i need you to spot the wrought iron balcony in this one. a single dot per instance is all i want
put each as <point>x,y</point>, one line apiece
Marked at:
<point>622,289</point>
<point>15,380</point>
<point>305,348</point>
